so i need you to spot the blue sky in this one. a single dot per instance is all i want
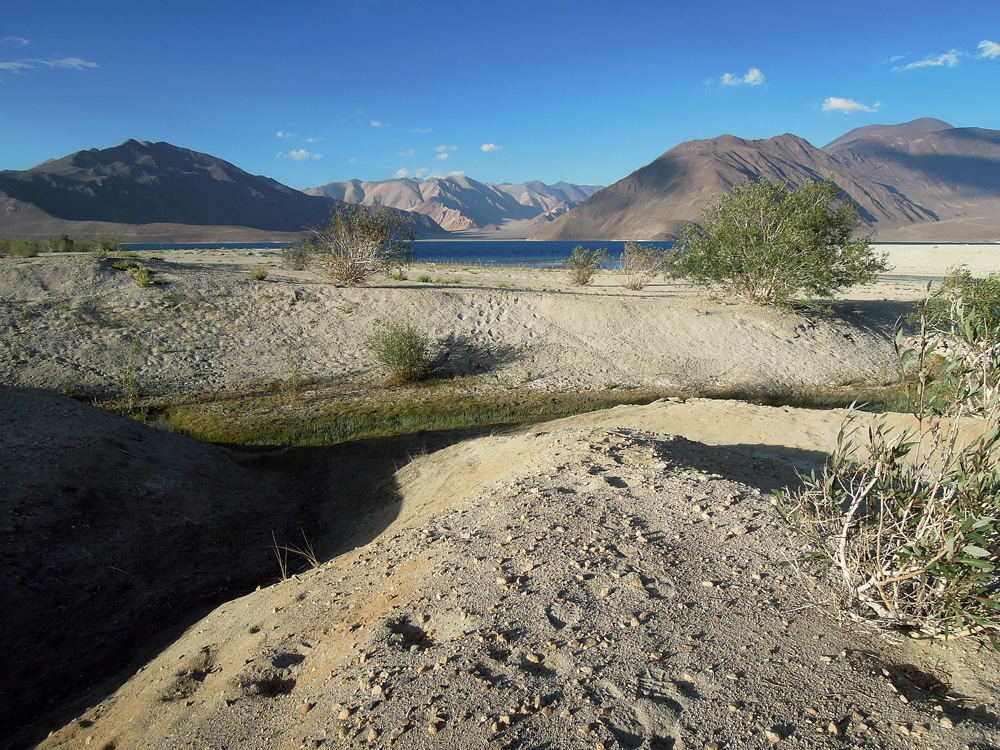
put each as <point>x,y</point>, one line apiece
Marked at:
<point>587,92</point>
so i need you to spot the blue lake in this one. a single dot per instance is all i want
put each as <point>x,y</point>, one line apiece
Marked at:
<point>465,252</point>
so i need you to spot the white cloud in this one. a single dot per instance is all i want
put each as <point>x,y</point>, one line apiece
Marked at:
<point>848,106</point>
<point>70,62</point>
<point>283,134</point>
<point>441,156</point>
<point>990,49</point>
<point>352,160</point>
<point>16,41</point>
<point>313,140</point>
<point>491,147</point>
<point>422,130</point>
<point>408,152</point>
<point>401,173</point>
<point>75,63</point>
<point>377,124</point>
<point>754,77</point>
<point>299,154</point>
<point>442,148</point>
<point>948,60</point>
<point>420,172</point>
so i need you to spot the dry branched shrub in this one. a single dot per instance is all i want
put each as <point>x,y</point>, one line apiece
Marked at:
<point>910,531</point>
<point>358,243</point>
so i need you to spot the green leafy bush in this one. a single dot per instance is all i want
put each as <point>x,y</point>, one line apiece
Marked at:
<point>582,264</point>
<point>402,349</point>
<point>141,276</point>
<point>907,524</point>
<point>978,298</point>
<point>358,243</point>
<point>62,243</point>
<point>257,273</point>
<point>641,263</point>
<point>767,243</point>
<point>20,248</point>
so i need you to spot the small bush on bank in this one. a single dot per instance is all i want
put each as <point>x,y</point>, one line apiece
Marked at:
<point>641,264</point>
<point>908,529</point>
<point>296,257</point>
<point>257,273</point>
<point>402,349</point>
<point>582,264</point>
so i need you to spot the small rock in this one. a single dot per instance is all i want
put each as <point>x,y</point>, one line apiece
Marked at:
<point>773,735</point>
<point>946,722</point>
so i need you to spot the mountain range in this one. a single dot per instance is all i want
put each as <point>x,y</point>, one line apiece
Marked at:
<point>461,204</point>
<point>921,180</point>
<point>145,191</point>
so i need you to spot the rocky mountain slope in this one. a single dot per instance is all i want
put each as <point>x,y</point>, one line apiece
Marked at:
<point>923,178</point>
<point>138,184</point>
<point>459,203</point>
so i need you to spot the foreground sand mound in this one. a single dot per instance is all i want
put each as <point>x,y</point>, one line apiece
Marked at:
<point>112,531</point>
<point>571,585</point>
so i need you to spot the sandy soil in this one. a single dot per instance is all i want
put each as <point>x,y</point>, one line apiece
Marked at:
<point>611,580</point>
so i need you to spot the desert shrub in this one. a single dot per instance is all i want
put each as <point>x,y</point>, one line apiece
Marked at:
<point>111,243</point>
<point>257,273</point>
<point>582,264</point>
<point>978,298</point>
<point>640,264</point>
<point>402,349</point>
<point>424,278</point>
<point>128,376</point>
<point>141,276</point>
<point>908,527</point>
<point>357,244</point>
<point>61,243</point>
<point>20,248</point>
<point>296,257</point>
<point>766,243</point>
<point>124,264</point>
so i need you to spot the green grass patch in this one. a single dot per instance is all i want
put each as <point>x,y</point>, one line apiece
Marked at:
<point>332,413</point>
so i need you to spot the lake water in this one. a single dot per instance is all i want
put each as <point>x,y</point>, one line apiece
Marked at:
<point>465,252</point>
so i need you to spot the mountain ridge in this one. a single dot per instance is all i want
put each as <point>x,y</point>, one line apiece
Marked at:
<point>923,179</point>
<point>138,184</point>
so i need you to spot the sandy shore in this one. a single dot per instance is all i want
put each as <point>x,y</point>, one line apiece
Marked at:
<point>610,580</point>
<point>70,323</point>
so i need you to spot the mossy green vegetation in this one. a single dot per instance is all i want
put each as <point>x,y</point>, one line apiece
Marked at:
<point>332,413</point>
